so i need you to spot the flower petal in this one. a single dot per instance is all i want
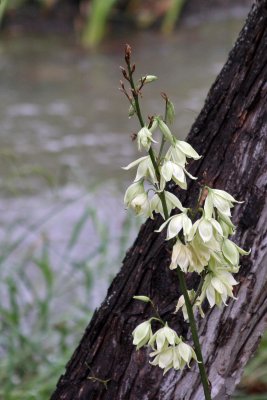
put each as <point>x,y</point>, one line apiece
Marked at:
<point>187,149</point>
<point>175,226</point>
<point>134,163</point>
<point>205,230</point>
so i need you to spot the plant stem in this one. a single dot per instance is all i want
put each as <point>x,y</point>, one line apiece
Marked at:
<point>181,275</point>
<point>198,291</point>
<point>150,152</point>
<point>203,374</point>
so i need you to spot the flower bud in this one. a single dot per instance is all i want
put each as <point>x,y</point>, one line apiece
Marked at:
<point>149,78</point>
<point>166,131</point>
<point>145,299</point>
<point>132,109</point>
<point>170,112</point>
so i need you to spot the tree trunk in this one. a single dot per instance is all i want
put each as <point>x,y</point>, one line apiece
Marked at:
<point>231,134</point>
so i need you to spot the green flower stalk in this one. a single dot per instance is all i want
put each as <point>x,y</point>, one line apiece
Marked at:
<point>200,236</point>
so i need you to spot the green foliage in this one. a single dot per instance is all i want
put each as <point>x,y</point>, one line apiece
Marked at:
<point>95,27</point>
<point>42,318</point>
<point>172,15</point>
<point>99,12</point>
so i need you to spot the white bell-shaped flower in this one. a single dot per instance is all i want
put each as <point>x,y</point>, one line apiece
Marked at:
<point>206,229</point>
<point>145,169</point>
<point>141,205</point>
<point>142,334</point>
<point>218,285</point>
<point>231,252</point>
<point>180,151</point>
<point>163,358</point>
<point>171,202</point>
<point>144,139</point>
<point>174,356</point>
<point>221,200</point>
<point>163,336</point>
<point>181,304</point>
<point>171,170</point>
<point>132,191</point>
<point>176,223</point>
<point>181,256</point>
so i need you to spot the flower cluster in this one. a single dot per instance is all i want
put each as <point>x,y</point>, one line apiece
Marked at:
<point>199,236</point>
<point>171,167</point>
<point>169,350</point>
<point>203,246</point>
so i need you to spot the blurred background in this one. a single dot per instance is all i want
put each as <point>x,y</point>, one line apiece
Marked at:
<point>65,134</point>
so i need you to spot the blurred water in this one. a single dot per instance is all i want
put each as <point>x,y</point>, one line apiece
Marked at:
<point>65,131</point>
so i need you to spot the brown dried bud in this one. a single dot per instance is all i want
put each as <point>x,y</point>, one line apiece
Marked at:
<point>128,52</point>
<point>133,136</point>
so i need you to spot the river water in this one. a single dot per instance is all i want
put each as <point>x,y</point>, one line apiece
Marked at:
<point>65,134</point>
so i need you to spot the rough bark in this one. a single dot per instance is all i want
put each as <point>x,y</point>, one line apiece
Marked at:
<point>231,134</point>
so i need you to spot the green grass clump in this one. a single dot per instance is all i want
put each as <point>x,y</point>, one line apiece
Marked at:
<point>46,300</point>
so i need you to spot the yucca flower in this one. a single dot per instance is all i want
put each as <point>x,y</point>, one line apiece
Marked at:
<point>174,356</point>
<point>142,334</point>
<point>144,139</point>
<point>221,200</point>
<point>181,256</point>
<point>171,202</point>
<point>176,223</point>
<point>207,228</point>
<point>181,150</point>
<point>163,336</point>
<point>201,252</point>
<point>181,304</point>
<point>231,252</point>
<point>177,173</point>
<point>145,169</point>
<point>218,285</point>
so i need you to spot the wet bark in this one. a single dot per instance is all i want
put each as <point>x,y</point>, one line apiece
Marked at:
<point>231,134</point>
